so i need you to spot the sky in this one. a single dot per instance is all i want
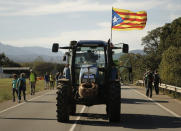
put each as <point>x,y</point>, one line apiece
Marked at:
<point>43,22</point>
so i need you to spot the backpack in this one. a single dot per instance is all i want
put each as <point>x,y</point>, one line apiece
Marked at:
<point>21,83</point>
<point>149,78</point>
<point>156,78</point>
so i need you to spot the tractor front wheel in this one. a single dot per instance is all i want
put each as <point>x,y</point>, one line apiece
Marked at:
<point>62,103</point>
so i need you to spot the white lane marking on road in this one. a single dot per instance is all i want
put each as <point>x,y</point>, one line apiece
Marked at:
<point>78,118</point>
<point>22,103</point>
<point>163,107</point>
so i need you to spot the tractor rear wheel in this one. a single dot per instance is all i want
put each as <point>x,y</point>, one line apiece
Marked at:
<point>62,103</point>
<point>113,105</point>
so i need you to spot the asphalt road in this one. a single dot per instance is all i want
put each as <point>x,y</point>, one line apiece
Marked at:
<point>138,113</point>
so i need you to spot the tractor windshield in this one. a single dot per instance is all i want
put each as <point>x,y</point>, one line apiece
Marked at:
<point>90,56</point>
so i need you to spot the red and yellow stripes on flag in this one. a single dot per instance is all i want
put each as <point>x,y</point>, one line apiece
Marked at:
<point>131,20</point>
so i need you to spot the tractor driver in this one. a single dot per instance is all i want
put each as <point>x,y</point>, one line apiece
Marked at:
<point>81,60</point>
<point>90,57</point>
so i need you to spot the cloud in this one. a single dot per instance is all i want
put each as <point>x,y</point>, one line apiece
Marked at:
<point>172,6</point>
<point>137,5</point>
<point>173,9</point>
<point>103,32</point>
<point>66,37</point>
<point>174,16</point>
<point>103,29</point>
<point>104,24</point>
<point>60,7</point>
<point>32,7</point>
<point>62,38</point>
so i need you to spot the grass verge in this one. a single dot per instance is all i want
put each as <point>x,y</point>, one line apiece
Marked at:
<point>6,88</point>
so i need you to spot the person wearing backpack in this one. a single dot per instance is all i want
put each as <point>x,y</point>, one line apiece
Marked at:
<point>149,81</point>
<point>14,86</point>
<point>21,87</point>
<point>156,81</point>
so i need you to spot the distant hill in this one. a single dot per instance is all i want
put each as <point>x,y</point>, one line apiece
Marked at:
<point>137,51</point>
<point>29,54</point>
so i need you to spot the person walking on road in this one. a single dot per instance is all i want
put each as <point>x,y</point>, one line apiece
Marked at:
<point>52,81</point>
<point>32,79</point>
<point>149,81</point>
<point>144,78</point>
<point>47,80</point>
<point>14,86</point>
<point>66,72</point>
<point>156,81</point>
<point>21,87</point>
<point>57,77</point>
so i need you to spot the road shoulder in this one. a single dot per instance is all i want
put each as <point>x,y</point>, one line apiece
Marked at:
<point>9,103</point>
<point>164,100</point>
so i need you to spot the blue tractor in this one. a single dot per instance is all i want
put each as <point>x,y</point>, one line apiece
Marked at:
<point>94,78</point>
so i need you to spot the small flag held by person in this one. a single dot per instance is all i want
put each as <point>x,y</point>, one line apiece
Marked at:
<point>128,20</point>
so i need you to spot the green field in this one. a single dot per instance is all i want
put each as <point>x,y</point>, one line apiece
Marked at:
<point>6,88</point>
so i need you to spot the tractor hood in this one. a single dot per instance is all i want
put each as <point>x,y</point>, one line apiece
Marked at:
<point>88,71</point>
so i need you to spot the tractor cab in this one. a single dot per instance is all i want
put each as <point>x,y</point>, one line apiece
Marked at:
<point>90,59</point>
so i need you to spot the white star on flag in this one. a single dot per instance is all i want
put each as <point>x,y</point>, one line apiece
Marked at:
<point>115,19</point>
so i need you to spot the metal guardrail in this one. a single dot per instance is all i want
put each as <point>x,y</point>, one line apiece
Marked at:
<point>139,83</point>
<point>171,88</point>
<point>163,86</point>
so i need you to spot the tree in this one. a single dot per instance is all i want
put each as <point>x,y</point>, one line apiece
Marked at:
<point>170,69</point>
<point>42,67</point>
<point>136,62</point>
<point>159,40</point>
<point>6,62</point>
<point>151,44</point>
<point>170,35</point>
<point>152,41</point>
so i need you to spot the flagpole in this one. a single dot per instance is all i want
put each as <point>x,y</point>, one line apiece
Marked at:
<point>111,27</point>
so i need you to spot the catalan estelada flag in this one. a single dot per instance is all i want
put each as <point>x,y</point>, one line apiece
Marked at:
<point>128,20</point>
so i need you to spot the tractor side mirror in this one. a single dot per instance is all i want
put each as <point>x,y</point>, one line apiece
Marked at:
<point>55,47</point>
<point>64,58</point>
<point>125,48</point>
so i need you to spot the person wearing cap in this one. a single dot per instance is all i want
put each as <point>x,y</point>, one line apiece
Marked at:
<point>32,79</point>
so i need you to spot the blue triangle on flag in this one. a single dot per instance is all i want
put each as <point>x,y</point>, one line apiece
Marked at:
<point>116,19</point>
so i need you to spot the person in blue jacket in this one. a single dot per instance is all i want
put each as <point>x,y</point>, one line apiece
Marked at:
<point>47,80</point>
<point>66,72</point>
<point>21,87</point>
